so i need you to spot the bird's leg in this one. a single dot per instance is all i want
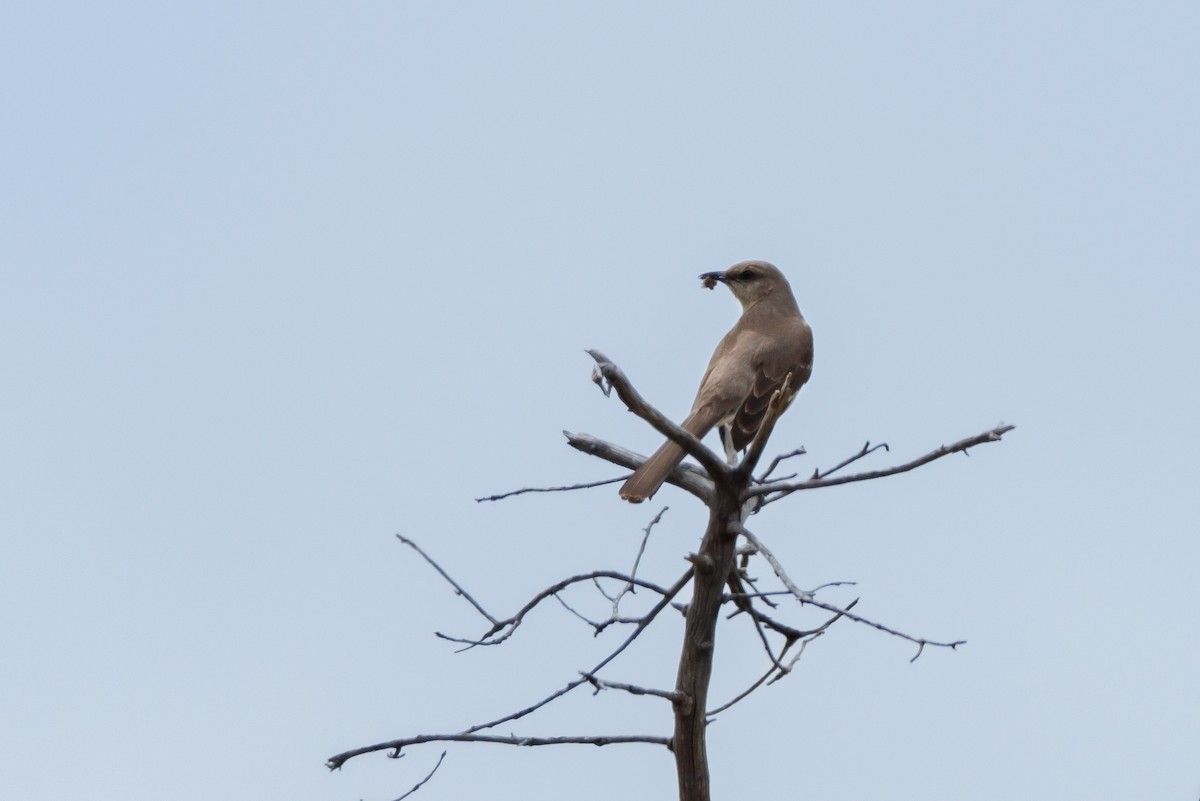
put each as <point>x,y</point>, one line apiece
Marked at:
<point>731,454</point>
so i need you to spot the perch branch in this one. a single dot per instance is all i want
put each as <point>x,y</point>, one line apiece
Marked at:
<point>684,476</point>
<point>633,400</point>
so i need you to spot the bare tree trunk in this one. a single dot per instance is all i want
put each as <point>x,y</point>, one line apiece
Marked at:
<point>713,564</point>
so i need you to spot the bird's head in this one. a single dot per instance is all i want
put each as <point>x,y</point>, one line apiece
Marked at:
<point>749,281</point>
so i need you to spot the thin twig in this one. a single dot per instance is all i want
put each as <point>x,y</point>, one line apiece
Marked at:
<point>417,786</point>
<point>820,587</point>
<point>920,642</point>
<point>775,667</point>
<point>801,595</point>
<point>575,612</point>
<point>600,589</point>
<point>509,625</point>
<point>597,625</point>
<point>780,670</point>
<point>629,587</point>
<point>745,605</point>
<point>753,584</point>
<point>773,593</point>
<point>789,633</point>
<point>588,485</point>
<point>776,461</point>
<point>457,587</point>
<point>796,658</point>
<point>866,449</point>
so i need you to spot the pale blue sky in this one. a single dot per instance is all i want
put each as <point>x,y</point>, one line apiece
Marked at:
<point>280,280</point>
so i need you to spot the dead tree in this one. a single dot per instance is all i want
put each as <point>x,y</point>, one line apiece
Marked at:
<point>718,577</point>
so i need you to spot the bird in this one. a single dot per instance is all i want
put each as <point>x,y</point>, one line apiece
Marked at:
<point>769,341</point>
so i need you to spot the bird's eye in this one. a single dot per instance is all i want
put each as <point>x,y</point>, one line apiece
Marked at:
<point>747,275</point>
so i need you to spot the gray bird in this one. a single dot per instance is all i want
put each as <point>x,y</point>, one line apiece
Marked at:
<point>769,340</point>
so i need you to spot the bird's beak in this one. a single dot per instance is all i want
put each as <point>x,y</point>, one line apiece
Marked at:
<point>717,276</point>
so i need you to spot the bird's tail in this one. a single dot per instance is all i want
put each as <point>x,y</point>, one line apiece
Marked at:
<point>647,479</point>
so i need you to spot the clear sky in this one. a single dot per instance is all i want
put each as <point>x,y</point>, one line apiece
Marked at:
<point>280,280</point>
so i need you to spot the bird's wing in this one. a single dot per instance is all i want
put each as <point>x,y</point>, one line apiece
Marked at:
<point>771,368</point>
<point>750,414</point>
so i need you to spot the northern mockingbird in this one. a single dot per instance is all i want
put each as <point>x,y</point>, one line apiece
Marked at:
<point>769,340</point>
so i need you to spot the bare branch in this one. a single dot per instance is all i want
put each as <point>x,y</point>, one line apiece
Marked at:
<point>599,626</point>
<point>336,762</point>
<point>632,689</point>
<point>457,588</point>
<point>801,595</point>
<point>820,587</point>
<point>789,633</point>
<point>418,785</point>
<point>808,597</point>
<point>768,595</point>
<point>776,461</point>
<point>775,668</point>
<point>866,449</point>
<point>920,642</point>
<point>664,425</point>
<point>744,693</point>
<point>753,584</point>
<point>792,664</point>
<point>779,490</point>
<point>684,476</point>
<point>509,625</point>
<point>629,587</point>
<point>745,605</point>
<point>568,488</point>
<point>600,589</point>
<point>670,593</point>
<point>765,596</point>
